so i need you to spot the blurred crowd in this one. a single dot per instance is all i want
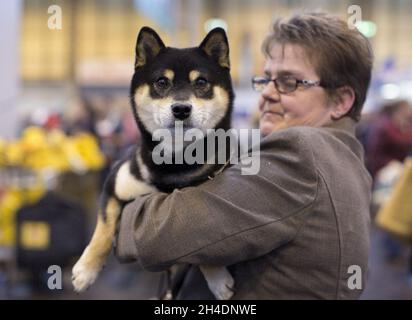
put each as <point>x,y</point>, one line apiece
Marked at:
<point>52,174</point>
<point>387,139</point>
<point>386,135</point>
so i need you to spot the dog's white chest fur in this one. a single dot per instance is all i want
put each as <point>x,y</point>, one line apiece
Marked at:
<point>127,187</point>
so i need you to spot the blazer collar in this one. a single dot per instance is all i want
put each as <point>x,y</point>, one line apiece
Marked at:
<point>346,124</point>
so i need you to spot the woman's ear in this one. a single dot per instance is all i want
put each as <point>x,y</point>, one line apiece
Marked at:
<point>342,102</point>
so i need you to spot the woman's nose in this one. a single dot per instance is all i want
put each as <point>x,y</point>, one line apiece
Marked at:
<point>270,92</point>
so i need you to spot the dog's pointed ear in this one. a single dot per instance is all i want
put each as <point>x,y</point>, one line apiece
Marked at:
<point>216,46</point>
<point>148,46</point>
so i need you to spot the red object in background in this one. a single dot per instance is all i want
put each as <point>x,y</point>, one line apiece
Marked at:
<point>387,143</point>
<point>53,122</point>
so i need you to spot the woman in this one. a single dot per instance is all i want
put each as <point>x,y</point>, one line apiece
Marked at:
<point>299,229</point>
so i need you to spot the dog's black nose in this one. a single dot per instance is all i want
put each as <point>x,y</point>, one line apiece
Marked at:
<point>181,111</point>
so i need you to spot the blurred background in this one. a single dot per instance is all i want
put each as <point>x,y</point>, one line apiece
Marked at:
<point>65,116</point>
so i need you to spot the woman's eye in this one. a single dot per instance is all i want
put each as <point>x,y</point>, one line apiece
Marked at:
<point>201,83</point>
<point>162,83</point>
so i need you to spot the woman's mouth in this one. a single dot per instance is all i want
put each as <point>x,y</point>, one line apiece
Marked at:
<point>275,113</point>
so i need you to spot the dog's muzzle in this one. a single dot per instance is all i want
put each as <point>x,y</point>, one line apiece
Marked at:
<point>181,111</point>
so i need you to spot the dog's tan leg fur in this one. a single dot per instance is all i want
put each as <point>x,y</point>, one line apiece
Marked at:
<point>94,257</point>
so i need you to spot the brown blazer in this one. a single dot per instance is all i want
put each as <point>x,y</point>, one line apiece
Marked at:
<point>290,232</point>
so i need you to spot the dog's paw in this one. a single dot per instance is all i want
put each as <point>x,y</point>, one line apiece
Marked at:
<point>83,276</point>
<point>223,289</point>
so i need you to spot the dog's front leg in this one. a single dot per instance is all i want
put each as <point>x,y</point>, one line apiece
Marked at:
<point>86,270</point>
<point>219,281</point>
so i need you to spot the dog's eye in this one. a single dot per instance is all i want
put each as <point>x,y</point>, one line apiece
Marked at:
<point>201,83</point>
<point>162,83</point>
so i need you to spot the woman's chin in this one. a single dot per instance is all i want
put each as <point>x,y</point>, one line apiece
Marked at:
<point>267,127</point>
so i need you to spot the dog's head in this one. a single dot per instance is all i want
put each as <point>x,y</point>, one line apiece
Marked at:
<point>191,85</point>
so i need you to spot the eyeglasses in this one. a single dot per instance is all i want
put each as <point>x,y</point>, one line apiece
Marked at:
<point>285,84</point>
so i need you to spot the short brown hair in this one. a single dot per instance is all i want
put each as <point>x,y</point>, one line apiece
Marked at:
<point>342,57</point>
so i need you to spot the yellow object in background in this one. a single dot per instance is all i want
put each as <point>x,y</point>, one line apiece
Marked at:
<point>10,203</point>
<point>33,138</point>
<point>35,235</point>
<point>41,151</point>
<point>3,148</point>
<point>88,149</point>
<point>14,154</point>
<point>395,216</point>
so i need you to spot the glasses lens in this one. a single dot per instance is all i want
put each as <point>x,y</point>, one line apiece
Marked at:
<point>259,83</point>
<point>286,84</point>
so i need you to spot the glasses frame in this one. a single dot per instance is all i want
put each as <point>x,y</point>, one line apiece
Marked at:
<point>303,82</point>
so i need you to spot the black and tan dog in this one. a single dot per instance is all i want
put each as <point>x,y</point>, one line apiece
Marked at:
<point>191,87</point>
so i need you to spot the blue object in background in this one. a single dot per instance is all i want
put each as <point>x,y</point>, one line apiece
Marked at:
<point>160,11</point>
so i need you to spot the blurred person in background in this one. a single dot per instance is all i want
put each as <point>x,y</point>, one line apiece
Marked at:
<point>390,136</point>
<point>363,130</point>
<point>108,128</point>
<point>389,139</point>
<point>293,230</point>
<point>81,117</point>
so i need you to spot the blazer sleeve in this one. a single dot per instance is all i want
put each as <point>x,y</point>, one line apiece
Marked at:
<point>229,219</point>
